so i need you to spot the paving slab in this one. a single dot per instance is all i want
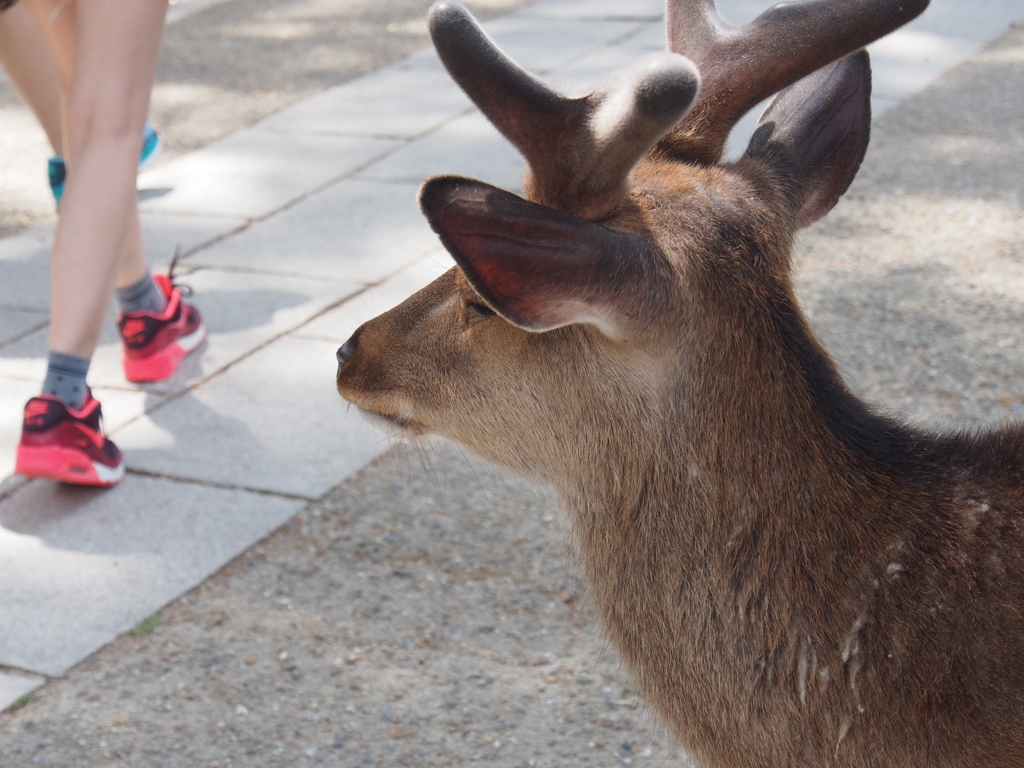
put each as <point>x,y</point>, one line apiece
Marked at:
<point>357,231</point>
<point>242,310</point>
<point>79,566</point>
<point>165,234</point>
<point>465,146</point>
<point>547,46</point>
<point>596,9</point>
<point>542,47</point>
<point>25,263</point>
<point>338,324</point>
<point>183,9</point>
<point>25,258</point>
<point>273,422</point>
<point>583,75</point>
<point>395,102</point>
<point>15,323</point>
<point>252,173</point>
<point>14,685</point>
<point>13,394</point>
<point>909,59</point>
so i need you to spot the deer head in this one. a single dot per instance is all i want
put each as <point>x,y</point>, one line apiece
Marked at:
<point>628,331</point>
<point>630,239</point>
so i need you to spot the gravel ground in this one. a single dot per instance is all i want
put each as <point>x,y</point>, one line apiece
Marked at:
<point>422,614</point>
<point>916,280</point>
<point>426,612</point>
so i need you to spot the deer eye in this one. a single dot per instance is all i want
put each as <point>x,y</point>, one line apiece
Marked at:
<point>479,308</point>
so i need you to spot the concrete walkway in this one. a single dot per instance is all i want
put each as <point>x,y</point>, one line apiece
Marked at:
<point>292,232</point>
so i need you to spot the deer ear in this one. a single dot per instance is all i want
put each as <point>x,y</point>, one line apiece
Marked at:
<point>817,132</point>
<point>537,267</point>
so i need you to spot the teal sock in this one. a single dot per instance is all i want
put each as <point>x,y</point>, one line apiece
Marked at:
<point>143,296</point>
<point>65,378</point>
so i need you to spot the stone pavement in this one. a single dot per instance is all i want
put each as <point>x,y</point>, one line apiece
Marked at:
<point>292,232</point>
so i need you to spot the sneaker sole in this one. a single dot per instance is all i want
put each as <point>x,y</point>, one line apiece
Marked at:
<point>164,363</point>
<point>67,466</point>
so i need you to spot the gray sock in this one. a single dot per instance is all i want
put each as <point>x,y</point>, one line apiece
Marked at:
<point>143,296</point>
<point>65,378</point>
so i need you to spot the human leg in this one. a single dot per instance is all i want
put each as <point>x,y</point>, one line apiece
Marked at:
<point>106,53</point>
<point>30,67</point>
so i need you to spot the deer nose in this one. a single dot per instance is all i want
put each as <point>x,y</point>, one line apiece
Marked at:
<point>348,349</point>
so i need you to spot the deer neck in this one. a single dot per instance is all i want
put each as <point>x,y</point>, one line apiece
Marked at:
<point>753,421</point>
<point>746,501</point>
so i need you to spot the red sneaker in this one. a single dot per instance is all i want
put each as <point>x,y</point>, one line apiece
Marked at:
<point>155,344</point>
<point>60,443</point>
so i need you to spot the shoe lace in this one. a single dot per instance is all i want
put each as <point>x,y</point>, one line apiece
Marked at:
<point>186,290</point>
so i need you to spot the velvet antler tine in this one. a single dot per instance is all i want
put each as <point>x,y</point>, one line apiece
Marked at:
<point>741,66</point>
<point>627,119</point>
<point>522,107</point>
<point>579,151</point>
<point>693,26</point>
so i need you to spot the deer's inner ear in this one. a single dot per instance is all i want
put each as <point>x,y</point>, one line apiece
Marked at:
<point>537,267</point>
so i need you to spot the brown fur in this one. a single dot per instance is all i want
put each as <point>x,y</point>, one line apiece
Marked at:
<point>793,579</point>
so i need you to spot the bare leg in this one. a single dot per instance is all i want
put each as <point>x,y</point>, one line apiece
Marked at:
<point>106,53</point>
<point>29,64</point>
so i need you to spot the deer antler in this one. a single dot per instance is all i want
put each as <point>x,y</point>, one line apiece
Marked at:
<point>740,66</point>
<point>579,150</point>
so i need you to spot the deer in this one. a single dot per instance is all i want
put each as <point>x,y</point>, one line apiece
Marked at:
<point>792,576</point>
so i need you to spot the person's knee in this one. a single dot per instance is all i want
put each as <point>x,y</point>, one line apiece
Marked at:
<point>99,114</point>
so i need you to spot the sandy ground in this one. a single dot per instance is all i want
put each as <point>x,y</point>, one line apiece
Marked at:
<point>427,613</point>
